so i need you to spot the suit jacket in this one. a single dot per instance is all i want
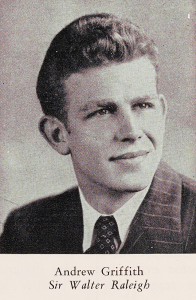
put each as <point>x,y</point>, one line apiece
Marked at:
<point>164,223</point>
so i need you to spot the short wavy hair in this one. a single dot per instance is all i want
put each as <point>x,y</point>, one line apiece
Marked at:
<point>90,41</point>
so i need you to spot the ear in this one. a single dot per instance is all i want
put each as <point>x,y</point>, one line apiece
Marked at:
<point>164,104</point>
<point>55,134</point>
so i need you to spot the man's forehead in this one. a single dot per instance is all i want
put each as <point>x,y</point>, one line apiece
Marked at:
<point>138,65</point>
<point>134,77</point>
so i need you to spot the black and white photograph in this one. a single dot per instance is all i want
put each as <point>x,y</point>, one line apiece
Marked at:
<point>98,132</point>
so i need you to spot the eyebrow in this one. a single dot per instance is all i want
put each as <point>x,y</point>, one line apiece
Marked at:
<point>110,102</point>
<point>144,98</point>
<point>98,103</point>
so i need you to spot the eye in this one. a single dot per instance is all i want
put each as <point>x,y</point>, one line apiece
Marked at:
<point>103,111</point>
<point>143,105</point>
<point>109,109</point>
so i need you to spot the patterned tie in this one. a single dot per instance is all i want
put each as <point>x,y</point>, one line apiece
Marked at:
<point>106,236</point>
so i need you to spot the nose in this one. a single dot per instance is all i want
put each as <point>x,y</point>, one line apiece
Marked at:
<point>129,129</point>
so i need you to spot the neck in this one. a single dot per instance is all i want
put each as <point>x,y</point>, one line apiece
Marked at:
<point>105,201</point>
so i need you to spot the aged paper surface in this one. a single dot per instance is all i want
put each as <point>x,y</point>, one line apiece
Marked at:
<point>31,170</point>
<point>33,277</point>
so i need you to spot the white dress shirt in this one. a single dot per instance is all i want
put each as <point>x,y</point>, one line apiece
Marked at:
<point>124,216</point>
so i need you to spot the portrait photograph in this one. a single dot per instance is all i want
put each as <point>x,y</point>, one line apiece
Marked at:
<point>98,139</point>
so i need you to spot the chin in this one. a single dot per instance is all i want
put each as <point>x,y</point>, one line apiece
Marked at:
<point>130,188</point>
<point>136,188</point>
<point>133,184</point>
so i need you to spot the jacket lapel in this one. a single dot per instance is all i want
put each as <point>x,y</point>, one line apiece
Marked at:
<point>156,227</point>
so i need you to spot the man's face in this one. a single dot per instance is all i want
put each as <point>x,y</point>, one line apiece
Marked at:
<point>116,125</point>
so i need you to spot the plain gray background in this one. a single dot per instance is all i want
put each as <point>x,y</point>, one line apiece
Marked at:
<point>30,169</point>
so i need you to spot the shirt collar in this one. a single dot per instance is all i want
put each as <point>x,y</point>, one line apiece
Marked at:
<point>124,216</point>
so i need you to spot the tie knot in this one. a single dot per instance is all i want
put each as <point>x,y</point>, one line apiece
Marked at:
<point>106,225</point>
<point>106,236</point>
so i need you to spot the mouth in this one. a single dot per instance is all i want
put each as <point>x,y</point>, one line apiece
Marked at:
<point>130,155</point>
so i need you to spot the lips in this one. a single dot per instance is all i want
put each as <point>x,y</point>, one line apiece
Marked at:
<point>129,155</point>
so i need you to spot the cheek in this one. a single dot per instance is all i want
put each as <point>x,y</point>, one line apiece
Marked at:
<point>94,134</point>
<point>87,146</point>
<point>155,125</point>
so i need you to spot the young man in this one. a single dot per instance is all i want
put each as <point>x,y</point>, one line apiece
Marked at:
<point>98,91</point>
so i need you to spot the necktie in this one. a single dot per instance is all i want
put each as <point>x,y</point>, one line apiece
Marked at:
<point>106,236</point>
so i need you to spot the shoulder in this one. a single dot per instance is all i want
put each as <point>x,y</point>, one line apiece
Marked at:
<point>175,183</point>
<point>188,185</point>
<point>188,213</point>
<point>184,190</point>
<point>188,195</point>
<point>46,206</point>
<point>42,210</point>
<point>32,227</point>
